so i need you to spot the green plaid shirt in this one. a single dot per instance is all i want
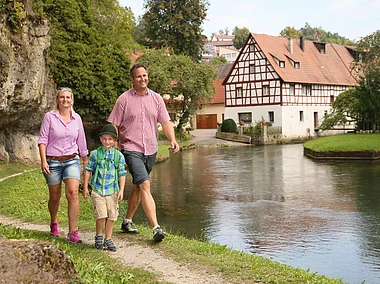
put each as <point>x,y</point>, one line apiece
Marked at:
<point>106,183</point>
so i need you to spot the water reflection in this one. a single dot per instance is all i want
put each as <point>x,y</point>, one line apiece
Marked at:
<point>275,202</point>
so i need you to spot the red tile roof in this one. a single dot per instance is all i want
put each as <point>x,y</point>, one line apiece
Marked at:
<point>223,71</point>
<point>331,68</point>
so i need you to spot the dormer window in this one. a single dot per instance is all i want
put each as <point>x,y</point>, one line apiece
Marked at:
<point>296,65</point>
<point>281,64</point>
<point>321,46</point>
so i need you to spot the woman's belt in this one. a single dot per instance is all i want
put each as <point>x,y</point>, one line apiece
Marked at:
<point>62,158</point>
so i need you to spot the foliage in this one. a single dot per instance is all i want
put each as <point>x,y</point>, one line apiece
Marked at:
<point>256,131</point>
<point>176,25</point>
<point>88,50</point>
<point>240,37</point>
<point>315,34</point>
<point>16,13</point>
<point>229,125</point>
<point>290,32</point>
<point>220,60</point>
<point>186,85</point>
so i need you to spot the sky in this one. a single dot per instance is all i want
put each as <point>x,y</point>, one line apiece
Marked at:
<point>352,19</point>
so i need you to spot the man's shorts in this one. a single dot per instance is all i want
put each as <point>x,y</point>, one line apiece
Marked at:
<point>105,206</point>
<point>139,165</point>
<point>60,170</point>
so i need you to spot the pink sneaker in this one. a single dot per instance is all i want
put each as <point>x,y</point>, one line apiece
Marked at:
<point>73,237</point>
<point>54,230</point>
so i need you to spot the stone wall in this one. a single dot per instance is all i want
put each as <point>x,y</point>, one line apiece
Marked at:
<point>26,90</point>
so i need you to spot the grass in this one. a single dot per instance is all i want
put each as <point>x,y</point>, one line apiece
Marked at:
<point>345,143</point>
<point>25,197</point>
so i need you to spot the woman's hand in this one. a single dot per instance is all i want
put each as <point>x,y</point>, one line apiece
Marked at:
<point>45,168</point>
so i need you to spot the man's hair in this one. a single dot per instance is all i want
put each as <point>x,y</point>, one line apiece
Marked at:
<point>135,66</point>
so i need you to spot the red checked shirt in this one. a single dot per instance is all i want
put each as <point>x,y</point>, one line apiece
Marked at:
<point>137,117</point>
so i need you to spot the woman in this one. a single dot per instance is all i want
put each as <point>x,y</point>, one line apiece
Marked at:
<point>62,140</point>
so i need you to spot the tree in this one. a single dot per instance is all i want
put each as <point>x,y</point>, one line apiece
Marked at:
<point>187,84</point>
<point>362,103</point>
<point>176,25</point>
<point>240,36</point>
<point>345,108</point>
<point>290,32</point>
<point>88,52</point>
<point>367,68</point>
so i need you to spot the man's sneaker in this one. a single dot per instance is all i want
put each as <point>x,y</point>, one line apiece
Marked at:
<point>158,234</point>
<point>109,245</point>
<point>54,230</point>
<point>73,237</point>
<point>129,227</point>
<point>99,242</point>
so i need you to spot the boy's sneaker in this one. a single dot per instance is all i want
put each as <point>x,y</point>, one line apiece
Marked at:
<point>54,230</point>
<point>158,234</point>
<point>109,245</point>
<point>99,242</point>
<point>73,237</point>
<point>129,227</point>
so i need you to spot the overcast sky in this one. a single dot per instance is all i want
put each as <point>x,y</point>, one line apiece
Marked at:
<point>352,19</point>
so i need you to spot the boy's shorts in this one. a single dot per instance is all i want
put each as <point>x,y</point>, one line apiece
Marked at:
<point>61,170</point>
<point>105,206</point>
<point>139,165</point>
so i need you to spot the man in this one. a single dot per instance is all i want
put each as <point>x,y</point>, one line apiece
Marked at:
<point>135,115</point>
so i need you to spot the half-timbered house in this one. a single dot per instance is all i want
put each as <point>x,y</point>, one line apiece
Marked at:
<point>287,82</point>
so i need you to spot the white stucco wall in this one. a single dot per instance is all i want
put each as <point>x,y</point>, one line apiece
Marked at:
<point>286,117</point>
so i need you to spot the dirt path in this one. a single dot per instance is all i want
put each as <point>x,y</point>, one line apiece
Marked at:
<point>136,256</point>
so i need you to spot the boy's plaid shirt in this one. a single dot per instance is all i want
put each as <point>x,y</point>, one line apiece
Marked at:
<point>106,182</point>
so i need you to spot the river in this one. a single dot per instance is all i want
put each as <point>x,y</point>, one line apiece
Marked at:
<point>277,203</point>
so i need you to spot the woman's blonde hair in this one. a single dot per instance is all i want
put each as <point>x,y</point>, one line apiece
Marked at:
<point>60,91</point>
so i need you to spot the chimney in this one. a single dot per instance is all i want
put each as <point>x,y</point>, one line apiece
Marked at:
<point>290,45</point>
<point>302,43</point>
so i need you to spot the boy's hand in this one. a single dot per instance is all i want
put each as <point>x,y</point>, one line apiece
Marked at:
<point>85,192</point>
<point>120,196</point>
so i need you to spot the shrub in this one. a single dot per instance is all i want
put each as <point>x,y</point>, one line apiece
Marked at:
<point>229,125</point>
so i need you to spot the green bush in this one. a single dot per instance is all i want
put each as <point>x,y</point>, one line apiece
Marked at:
<point>229,125</point>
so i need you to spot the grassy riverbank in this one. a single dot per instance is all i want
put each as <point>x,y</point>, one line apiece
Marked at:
<point>25,197</point>
<point>349,142</point>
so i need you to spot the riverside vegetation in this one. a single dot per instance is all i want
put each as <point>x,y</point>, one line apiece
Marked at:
<point>24,197</point>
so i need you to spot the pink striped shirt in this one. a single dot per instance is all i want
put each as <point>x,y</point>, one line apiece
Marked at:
<point>137,117</point>
<point>63,139</point>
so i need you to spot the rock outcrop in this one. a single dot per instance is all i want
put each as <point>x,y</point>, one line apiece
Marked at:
<point>26,90</point>
<point>30,261</point>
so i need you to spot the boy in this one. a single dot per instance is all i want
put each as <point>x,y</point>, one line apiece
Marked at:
<point>107,166</point>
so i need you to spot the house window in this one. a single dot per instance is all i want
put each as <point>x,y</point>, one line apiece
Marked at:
<point>282,64</point>
<point>246,117</point>
<point>265,90</point>
<point>292,88</point>
<point>301,115</point>
<point>239,92</point>
<point>251,48</point>
<point>252,68</point>
<point>271,116</point>
<point>306,90</point>
<point>296,65</point>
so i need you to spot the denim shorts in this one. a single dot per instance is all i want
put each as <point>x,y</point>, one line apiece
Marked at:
<point>139,165</point>
<point>60,170</point>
